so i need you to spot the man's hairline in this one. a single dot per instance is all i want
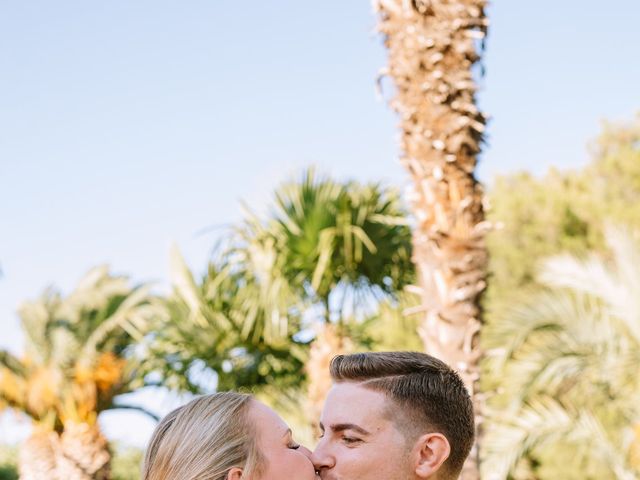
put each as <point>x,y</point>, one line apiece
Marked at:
<point>389,412</point>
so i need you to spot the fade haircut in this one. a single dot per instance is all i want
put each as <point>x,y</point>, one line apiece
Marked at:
<point>427,396</point>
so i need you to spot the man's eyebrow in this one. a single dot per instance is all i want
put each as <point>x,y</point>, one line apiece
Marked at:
<point>341,427</point>
<point>288,432</point>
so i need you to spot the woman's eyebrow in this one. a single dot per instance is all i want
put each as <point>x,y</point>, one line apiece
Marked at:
<point>341,427</point>
<point>288,432</point>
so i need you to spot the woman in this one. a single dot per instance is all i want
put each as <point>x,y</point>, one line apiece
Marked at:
<point>225,436</point>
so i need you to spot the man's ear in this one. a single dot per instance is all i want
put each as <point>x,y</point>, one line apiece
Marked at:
<point>431,451</point>
<point>234,474</point>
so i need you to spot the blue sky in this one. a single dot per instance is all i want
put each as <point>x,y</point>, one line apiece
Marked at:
<point>125,125</point>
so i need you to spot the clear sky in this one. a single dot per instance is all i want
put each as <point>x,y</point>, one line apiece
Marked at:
<point>126,125</point>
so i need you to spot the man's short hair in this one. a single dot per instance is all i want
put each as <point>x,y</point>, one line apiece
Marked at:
<point>428,395</point>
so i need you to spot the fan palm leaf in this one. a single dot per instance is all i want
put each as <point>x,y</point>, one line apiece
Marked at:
<point>237,321</point>
<point>570,355</point>
<point>349,235</point>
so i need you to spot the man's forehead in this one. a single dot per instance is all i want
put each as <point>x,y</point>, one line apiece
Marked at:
<point>351,402</point>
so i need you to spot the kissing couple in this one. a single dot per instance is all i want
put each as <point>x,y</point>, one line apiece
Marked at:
<point>388,416</point>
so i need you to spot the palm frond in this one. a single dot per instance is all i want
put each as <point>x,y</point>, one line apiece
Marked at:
<point>77,346</point>
<point>617,283</point>
<point>186,288</point>
<point>517,433</point>
<point>12,389</point>
<point>12,363</point>
<point>134,315</point>
<point>332,234</point>
<point>572,345</point>
<point>35,318</point>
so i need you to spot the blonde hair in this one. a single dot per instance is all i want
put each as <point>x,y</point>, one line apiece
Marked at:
<point>203,440</point>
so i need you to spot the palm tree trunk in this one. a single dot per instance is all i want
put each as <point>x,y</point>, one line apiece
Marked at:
<point>329,342</point>
<point>431,54</point>
<point>80,453</point>
<point>84,453</point>
<point>37,458</point>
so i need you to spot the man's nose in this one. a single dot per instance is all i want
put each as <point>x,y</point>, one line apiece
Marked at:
<point>322,458</point>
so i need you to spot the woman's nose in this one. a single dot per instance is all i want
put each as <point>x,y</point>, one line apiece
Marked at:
<point>306,451</point>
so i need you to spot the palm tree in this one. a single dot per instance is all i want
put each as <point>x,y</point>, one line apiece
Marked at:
<point>567,360</point>
<point>343,248</point>
<point>235,328</point>
<point>339,243</point>
<point>432,50</point>
<point>231,330</point>
<point>278,296</point>
<point>78,359</point>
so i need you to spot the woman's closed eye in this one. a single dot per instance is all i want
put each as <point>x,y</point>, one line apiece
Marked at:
<point>293,445</point>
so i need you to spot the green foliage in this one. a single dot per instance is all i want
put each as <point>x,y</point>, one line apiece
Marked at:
<point>553,361</point>
<point>570,357</point>
<point>126,463</point>
<point>561,212</point>
<point>102,314</point>
<point>394,326</point>
<point>222,329</point>
<point>526,330</point>
<point>326,251</point>
<point>8,462</point>
<point>8,472</point>
<point>334,235</point>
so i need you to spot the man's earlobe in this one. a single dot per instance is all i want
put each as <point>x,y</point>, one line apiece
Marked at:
<point>432,450</point>
<point>234,474</point>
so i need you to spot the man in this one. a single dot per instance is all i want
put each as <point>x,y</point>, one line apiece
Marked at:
<point>394,416</point>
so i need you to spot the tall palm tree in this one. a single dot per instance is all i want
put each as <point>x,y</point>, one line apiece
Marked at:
<point>567,360</point>
<point>432,50</point>
<point>78,358</point>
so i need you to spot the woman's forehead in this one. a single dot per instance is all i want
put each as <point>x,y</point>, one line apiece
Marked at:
<point>265,416</point>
